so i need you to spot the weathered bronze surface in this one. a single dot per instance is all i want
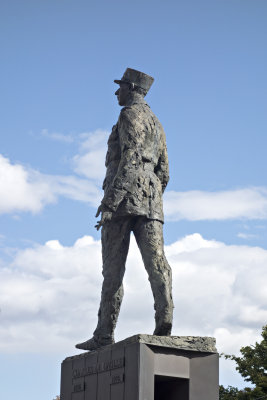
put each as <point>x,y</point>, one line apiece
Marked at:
<point>136,177</point>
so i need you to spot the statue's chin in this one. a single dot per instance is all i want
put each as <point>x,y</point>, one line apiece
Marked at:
<point>122,102</point>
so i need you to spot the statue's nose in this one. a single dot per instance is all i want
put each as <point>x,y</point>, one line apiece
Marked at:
<point>117,92</point>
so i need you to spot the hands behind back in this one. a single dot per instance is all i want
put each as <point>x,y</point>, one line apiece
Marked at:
<point>105,216</point>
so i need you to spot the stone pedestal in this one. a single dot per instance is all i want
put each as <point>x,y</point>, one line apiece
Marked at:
<point>144,367</point>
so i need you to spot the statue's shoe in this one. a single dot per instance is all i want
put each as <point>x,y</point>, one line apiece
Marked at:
<point>93,344</point>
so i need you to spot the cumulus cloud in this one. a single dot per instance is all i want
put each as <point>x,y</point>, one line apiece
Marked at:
<point>22,189</point>
<point>74,188</point>
<point>51,293</point>
<point>25,189</point>
<point>248,203</point>
<point>90,161</point>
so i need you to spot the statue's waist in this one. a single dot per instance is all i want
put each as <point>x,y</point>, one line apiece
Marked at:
<point>112,168</point>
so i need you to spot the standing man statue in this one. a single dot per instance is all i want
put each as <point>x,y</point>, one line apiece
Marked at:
<point>137,175</point>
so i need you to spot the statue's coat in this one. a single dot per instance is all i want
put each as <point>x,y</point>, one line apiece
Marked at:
<point>137,164</point>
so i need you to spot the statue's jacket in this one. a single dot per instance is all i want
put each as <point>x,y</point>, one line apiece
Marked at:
<point>137,164</point>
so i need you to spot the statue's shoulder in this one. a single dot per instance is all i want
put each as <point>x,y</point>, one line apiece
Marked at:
<point>136,109</point>
<point>129,113</point>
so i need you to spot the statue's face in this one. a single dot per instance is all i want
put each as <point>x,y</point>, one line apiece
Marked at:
<point>123,93</point>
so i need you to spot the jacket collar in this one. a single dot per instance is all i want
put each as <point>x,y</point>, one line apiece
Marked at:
<point>136,99</point>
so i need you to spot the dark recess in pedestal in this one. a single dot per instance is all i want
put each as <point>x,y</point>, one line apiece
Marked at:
<point>171,388</point>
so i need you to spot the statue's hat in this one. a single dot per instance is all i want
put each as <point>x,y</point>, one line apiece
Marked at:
<point>139,78</point>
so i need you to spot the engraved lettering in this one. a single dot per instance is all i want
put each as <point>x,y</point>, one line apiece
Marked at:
<point>117,379</point>
<point>78,387</point>
<point>98,368</point>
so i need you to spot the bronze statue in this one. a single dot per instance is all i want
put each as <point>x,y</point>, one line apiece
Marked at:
<point>137,175</point>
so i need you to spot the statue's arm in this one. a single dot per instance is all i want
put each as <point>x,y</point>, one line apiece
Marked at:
<point>162,168</point>
<point>131,154</point>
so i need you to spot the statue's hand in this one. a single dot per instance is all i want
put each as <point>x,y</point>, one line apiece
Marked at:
<point>98,211</point>
<point>105,216</point>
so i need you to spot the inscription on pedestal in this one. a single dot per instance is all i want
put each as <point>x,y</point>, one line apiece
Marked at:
<point>117,379</point>
<point>98,368</point>
<point>79,387</point>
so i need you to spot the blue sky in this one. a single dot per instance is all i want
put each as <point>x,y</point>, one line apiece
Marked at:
<point>58,62</point>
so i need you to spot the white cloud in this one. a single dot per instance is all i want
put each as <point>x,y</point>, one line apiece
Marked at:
<point>60,137</point>
<point>90,162</point>
<point>52,292</point>
<point>24,189</point>
<point>229,340</point>
<point>75,188</point>
<point>248,203</point>
<point>243,235</point>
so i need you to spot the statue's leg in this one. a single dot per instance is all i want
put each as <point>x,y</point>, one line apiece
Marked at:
<point>149,237</point>
<point>115,237</point>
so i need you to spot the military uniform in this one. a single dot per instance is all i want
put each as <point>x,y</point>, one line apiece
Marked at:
<point>137,164</point>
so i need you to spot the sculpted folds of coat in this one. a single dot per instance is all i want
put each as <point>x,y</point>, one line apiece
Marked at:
<point>137,164</point>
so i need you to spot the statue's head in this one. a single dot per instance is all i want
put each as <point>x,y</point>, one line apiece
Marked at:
<point>132,81</point>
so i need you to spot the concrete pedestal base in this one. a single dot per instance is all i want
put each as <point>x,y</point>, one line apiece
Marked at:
<point>144,367</point>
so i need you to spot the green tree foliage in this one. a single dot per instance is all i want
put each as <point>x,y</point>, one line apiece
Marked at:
<point>228,393</point>
<point>252,365</point>
<point>233,393</point>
